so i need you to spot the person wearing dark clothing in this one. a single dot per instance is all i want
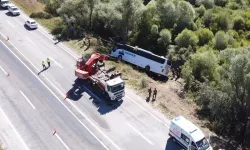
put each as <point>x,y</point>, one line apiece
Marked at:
<point>178,73</point>
<point>154,94</point>
<point>149,93</point>
<point>43,64</point>
<point>48,61</point>
<point>173,72</point>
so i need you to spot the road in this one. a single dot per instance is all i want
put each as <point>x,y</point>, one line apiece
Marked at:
<point>35,103</point>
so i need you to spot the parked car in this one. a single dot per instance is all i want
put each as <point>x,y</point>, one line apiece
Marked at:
<point>31,24</point>
<point>13,10</point>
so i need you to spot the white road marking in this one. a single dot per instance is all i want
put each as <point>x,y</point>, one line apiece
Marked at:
<point>10,23</point>
<point>3,70</point>
<point>140,134</point>
<point>147,111</point>
<point>54,93</point>
<point>14,129</point>
<point>62,141</point>
<point>30,40</point>
<point>27,100</point>
<point>56,62</point>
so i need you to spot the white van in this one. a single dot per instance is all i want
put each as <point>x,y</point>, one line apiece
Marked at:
<point>188,135</point>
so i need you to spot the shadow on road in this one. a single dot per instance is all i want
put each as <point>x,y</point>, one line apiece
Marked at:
<point>27,28</point>
<point>9,14</point>
<point>42,70</point>
<point>81,86</point>
<point>172,146</point>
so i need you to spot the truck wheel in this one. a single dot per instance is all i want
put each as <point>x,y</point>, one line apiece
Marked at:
<point>174,140</point>
<point>120,58</point>
<point>147,69</point>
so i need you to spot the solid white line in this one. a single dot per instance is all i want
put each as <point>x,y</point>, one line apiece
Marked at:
<point>14,129</point>
<point>3,70</point>
<point>55,95</point>
<point>30,41</point>
<point>140,134</point>
<point>27,100</point>
<point>10,23</point>
<point>56,62</point>
<point>147,111</point>
<point>62,141</point>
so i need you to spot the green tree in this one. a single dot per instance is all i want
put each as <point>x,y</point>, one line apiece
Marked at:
<point>204,35</point>
<point>91,6</point>
<point>220,40</point>
<point>200,11</point>
<point>186,15</point>
<point>228,102</point>
<point>238,23</point>
<point>154,30</point>
<point>165,38</point>
<point>221,3</point>
<point>131,15</point>
<point>167,13</point>
<point>186,38</point>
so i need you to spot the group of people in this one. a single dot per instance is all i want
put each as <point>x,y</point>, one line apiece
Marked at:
<point>176,73</point>
<point>154,94</point>
<point>43,64</point>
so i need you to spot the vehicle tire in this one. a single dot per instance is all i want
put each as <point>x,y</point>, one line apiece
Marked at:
<point>120,58</point>
<point>174,140</point>
<point>147,69</point>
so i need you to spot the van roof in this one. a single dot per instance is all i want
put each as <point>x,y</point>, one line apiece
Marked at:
<point>189,127</point>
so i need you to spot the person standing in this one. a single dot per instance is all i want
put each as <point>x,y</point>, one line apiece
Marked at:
<point>43,64</point>
<point>48,61</point>
<point>149,93</point>
<point>154,94</point>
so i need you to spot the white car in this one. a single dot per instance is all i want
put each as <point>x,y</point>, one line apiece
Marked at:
<point>13,10</point>
<point>4,3</point>
<point>31,24</point>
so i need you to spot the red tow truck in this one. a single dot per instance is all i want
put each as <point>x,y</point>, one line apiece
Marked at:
<point>110,86</point>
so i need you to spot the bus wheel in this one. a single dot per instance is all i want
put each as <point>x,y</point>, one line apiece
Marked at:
<point>120,57</point>
<point>147,69</point>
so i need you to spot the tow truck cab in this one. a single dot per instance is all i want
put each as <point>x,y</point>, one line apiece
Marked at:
<point>115,88</point>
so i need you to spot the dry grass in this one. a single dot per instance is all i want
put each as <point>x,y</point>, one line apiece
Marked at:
<point>29,6</point>
<point>1,146</point>
<point>48,23</point>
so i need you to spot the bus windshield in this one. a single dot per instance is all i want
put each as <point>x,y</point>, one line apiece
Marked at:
<point>202,144</point>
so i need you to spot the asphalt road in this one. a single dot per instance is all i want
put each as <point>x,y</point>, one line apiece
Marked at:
<point>79,121</point>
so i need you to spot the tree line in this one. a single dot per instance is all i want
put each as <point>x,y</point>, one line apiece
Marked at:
<point>209,39</point>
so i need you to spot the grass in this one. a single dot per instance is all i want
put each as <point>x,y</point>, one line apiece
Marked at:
<point>29,6</point>
<point>32,6</point>
<point>1,146</point>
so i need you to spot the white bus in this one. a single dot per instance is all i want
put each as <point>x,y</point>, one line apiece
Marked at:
<point>142,58</point>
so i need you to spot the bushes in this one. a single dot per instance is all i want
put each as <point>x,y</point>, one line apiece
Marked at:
<point>204,35</point>
<point>238,23</point>
<point>52,6</point>
<point>186,38</point>
<point>220,40</point>
<point>41,15</point>
<point>165,37</point>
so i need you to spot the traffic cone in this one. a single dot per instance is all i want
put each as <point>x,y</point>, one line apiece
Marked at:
<point>67,95</point>
<point>8,38</point>
<point>54,132</point>
<point>8,74</point>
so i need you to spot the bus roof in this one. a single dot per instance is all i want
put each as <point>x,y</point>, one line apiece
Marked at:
<point>144,50</point>
<point>189,127</point>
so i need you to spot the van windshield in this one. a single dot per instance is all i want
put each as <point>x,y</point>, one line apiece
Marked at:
<point>202,144</point>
